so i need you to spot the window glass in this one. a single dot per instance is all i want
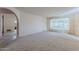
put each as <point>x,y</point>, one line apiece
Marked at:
<point>59,24</point>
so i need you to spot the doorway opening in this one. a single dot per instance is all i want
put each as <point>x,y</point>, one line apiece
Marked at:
<point>9,25</point>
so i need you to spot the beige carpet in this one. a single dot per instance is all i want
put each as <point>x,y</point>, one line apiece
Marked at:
<point>46,41</point>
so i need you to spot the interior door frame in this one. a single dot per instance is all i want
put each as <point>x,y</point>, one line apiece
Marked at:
<point>2,16</point>
<point>17,23</point>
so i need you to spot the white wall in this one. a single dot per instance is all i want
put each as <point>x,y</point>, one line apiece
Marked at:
<point>30,24</point>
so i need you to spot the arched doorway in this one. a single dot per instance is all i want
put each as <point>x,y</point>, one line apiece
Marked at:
<point>6,21</point>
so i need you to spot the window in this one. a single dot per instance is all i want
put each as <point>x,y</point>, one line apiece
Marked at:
<point>59,24</point>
